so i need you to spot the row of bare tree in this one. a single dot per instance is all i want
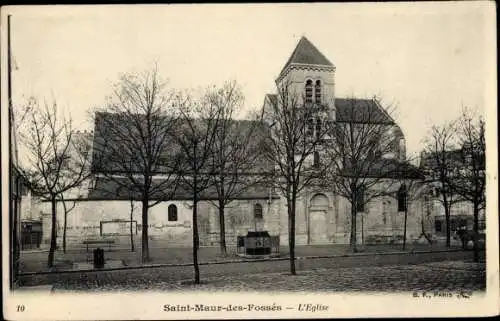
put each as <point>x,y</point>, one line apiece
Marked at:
<point>155,144</point>
<point>149,142</point>
<point>313,149</point>
<point>56,161</point>
<point>455,156</point>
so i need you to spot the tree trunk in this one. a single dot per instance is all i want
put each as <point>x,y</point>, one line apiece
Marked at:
<point>362,229</point>
<point>404,231</point>
<point>145,224</point>
<point>195,232</point>
<point>447,218</point>
<point>132,248</point>
<point>65,224</point>
<point>222,228</point>
<point>476,231</point>
<point>53,232</point>
<point>423,231</point>
<point>308,222</point>
<point>353,240</point>
<point>64,230</point>
<point>291,234</point>
<point>195,242</point>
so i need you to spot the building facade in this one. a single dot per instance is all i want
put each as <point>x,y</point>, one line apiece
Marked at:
<point>322,217</point>
<point>461,210</point>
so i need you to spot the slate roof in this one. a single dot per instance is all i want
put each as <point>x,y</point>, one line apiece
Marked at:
<point>355,110</point>
<point>118,189</point>
<point>360,110</point>
<point>112,129</point>
<point>306,53</point>
<point>390,168</point>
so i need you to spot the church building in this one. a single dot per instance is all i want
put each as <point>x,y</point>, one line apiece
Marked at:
<point>323,216</point>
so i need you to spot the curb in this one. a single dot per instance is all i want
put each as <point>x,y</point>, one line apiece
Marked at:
<point>149,266</point>
<point>34,251</point>
<point>34,289</point>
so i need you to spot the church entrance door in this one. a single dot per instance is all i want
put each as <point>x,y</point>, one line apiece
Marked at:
<point>318,227</point>
<point>318,219</point>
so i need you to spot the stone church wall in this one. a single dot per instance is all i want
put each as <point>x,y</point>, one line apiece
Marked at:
<point>110,219</point>
<point>379,223</point>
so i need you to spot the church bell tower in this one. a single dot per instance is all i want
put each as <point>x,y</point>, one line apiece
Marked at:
<point>311,75</point>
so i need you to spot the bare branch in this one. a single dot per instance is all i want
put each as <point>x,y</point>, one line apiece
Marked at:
<point>133,143</point>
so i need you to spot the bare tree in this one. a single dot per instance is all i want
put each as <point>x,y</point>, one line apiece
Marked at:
<point>236,151</point>
<point>67,210</point>
<point>426,193</point>
<point>294,142</point>
<point>55,163</point>
<point>81,141</point>
<point>440,162</point>
<point>132,208</point>
<point>410,188</point>
<point>132,142</point>
<point>363,149</point>
<point>195,138</point>
<point>469,181</point>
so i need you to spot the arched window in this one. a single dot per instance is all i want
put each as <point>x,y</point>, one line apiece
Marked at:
<point>318,128</point>
<point>319,201</point>
<point>310,127</point>
<point>384,214</point>
<point>402,199</point>
<point>309,91</point>
<point>172,213</point>
<point>257,211</point>
<point>438,226</point>
<point>317,92</point>
<point>316,159</point>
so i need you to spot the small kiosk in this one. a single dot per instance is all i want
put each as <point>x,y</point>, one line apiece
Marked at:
<point>257,243</point>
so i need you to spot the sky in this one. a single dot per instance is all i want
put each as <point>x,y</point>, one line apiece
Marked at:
<point>429,59</point>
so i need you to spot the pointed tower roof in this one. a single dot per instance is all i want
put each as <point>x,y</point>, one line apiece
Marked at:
<point>306,54</point>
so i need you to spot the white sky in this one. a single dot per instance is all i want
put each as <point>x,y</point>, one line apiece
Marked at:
<point>429,58</point>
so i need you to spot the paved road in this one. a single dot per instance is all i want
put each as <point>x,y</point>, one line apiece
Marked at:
<point>440,277</point>
<point>37,261</point>
<point>369,272</point>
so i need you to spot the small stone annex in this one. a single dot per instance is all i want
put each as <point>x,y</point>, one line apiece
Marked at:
<point>101,209</point>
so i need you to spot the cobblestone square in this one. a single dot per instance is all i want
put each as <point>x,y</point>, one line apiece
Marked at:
<point>446,276</point>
